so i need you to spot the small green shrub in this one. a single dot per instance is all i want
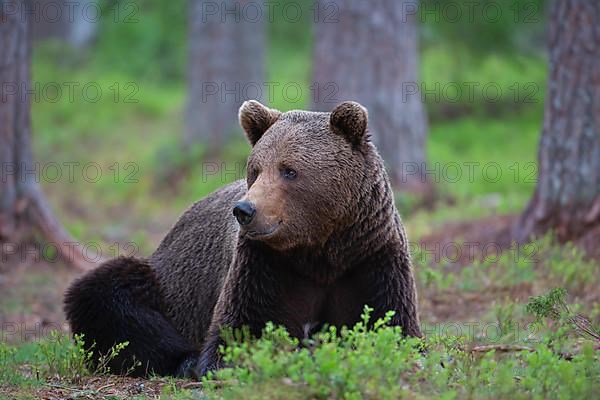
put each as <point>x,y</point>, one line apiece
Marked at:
<point>58,355</point>
<point>379,363</point>
<point>553,306</point>
<point>8,364</point>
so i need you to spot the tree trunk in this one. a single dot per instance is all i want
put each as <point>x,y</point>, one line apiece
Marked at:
<point>567,196</point>
<point>73,22</point>
<point>225,68</point>
<point>368,52</point>
<point>23,206</point>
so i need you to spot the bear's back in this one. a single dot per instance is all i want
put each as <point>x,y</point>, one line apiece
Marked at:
<point>192,260</point>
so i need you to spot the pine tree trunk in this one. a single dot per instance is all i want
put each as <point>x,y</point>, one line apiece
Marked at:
<point>567,196</point>
<point>23,207</point>
<point>368,52</point>
<point>67,21</point>
<point>225,68</point>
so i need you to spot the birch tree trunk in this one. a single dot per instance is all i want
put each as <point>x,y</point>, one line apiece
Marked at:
<point>367,51</point>
<point>23,207</point>
<point>567,196</point>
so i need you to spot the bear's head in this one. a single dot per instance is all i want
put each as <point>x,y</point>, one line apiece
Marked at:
<point>305,173</point>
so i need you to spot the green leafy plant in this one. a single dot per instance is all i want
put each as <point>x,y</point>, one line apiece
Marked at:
<point>553,306</point>
<point>58,355</point>
<point>8,364</point>
<point>372,360</point>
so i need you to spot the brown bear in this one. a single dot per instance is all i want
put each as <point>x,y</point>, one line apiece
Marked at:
<point>309,239</point>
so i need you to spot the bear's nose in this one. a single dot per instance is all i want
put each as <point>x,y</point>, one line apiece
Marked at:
<point>244,212</point>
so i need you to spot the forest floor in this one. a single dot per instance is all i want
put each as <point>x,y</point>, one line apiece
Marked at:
<point>460,295</point>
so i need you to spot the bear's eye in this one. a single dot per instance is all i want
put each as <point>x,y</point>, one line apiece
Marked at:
<point>253,173</point>
<point>289,173</point>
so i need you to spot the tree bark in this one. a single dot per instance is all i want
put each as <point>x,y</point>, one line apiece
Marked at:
<point>225,68</point>
<point>23,206</point>
<point>67,21</point>
<point>368,52</point>
<point>567,195</point>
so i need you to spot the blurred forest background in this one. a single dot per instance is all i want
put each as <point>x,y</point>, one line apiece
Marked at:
<point>456,93</point>
<point>160,131</point>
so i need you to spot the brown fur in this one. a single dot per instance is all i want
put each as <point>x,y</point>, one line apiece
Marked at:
<point>319,248</point>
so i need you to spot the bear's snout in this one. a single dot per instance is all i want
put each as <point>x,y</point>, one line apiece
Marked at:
<point>244,212</point>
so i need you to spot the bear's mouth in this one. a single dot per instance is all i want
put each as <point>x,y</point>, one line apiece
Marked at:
<point>254,234</point>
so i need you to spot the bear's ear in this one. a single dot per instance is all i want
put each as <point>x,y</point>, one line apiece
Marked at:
<point>349,119</point>
<point>255,119</point>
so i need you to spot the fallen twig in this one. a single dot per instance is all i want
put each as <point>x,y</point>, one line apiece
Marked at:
<point>101,388</point>
<point>63,387</point>
<point>191,385</point>
<point>504,348</point>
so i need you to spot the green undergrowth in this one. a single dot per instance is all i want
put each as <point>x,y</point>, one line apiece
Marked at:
<point>54,357</point>
<point>380,363</point>
<point>469,266</point>
<point>370,360</point>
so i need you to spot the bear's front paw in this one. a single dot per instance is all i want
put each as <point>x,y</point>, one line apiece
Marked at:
<point>208,363</point>
<point>189,367</point>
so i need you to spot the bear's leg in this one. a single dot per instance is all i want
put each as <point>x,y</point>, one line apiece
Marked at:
<point>248,298</point>
<point>118,302</point>
<point>394,289</point>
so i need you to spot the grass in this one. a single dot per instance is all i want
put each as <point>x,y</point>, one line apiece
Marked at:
<point>468,162</point>
<point>538,265</point>
<point>364,361</point>
<point>545,347</point>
